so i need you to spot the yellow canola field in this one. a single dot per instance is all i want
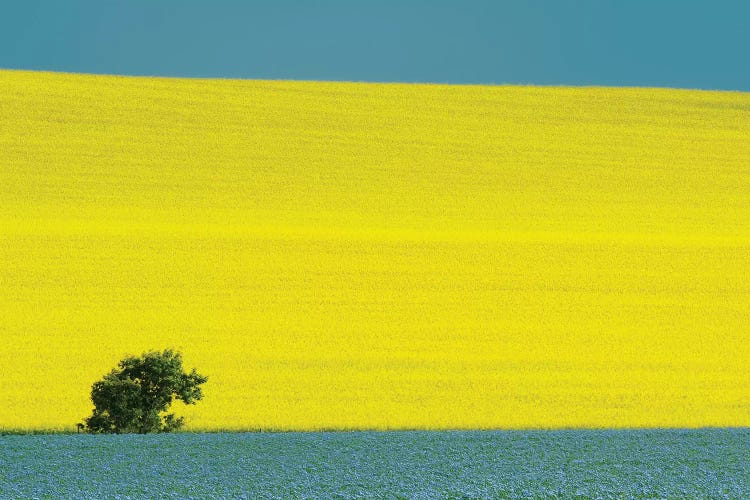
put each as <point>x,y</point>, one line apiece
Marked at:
<point>352,255</point>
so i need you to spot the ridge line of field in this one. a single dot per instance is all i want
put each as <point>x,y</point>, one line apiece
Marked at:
<point>333,430</point>
<point>232,80</point>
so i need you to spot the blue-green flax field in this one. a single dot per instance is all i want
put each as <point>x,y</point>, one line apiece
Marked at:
<point>671,464</point>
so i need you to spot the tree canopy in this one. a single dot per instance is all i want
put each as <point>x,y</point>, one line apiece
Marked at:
<point>134,397</point>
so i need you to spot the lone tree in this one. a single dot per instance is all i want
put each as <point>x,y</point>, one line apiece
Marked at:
<point>133,397</point>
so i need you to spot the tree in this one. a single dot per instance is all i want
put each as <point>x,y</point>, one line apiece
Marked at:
<point>133,397</point>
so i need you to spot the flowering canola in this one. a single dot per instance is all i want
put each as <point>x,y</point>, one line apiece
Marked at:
<point>354,255</point>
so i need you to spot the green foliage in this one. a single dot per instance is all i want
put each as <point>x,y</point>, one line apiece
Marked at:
<point>564,464</point>
<point>133,397</point>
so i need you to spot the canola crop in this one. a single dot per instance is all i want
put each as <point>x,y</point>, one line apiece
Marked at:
<point>355,255</point>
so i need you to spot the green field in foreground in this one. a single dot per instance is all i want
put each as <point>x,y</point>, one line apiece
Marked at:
<point>702,463</point>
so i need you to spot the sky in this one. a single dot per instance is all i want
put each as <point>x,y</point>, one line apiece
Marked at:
<point>651,43</point>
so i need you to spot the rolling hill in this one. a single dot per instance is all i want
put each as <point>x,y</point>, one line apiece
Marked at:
<point>355,255</point>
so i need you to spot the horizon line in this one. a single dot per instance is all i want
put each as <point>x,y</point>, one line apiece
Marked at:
<point>373,82</point>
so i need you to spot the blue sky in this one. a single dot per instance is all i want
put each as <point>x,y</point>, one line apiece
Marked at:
<point>665,43</point>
